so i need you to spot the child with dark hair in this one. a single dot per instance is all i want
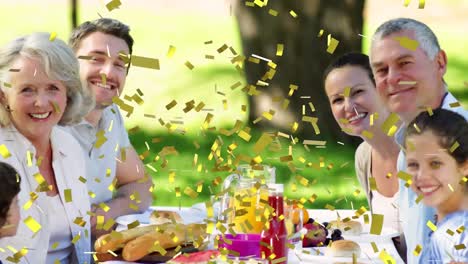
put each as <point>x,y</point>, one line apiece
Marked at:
<point>9,209</point>
<point>437,156</point>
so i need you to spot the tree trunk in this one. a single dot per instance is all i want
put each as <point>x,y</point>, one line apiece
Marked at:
<point>303,61</point>
<point>74,13</point>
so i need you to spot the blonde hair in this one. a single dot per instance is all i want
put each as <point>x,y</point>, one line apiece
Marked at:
<point>59,63</point>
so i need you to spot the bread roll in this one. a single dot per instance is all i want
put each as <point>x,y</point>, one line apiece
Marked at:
<point>164,217</point>
<point>343,248</point>
<point>116,240</point>
<point>353,228</point>
<point>144,245</point>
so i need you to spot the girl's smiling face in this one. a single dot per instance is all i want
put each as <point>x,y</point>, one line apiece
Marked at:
<point>436,173</point>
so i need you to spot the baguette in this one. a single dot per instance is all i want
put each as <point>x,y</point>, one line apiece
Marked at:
<point>116,240</point>
<point>144,245</point>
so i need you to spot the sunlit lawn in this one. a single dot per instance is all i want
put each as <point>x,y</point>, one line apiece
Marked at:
<point>329,171</point>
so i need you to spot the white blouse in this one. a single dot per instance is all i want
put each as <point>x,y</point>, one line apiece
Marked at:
<point>60,233</point>
<point>34,229</point>
<point>387,206</point>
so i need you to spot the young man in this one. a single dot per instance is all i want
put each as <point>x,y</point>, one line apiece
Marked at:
<point>114,166</point>
<point>409,67</point>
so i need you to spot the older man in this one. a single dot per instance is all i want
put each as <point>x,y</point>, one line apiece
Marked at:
<point>116,176</point>
<point>409,67</point>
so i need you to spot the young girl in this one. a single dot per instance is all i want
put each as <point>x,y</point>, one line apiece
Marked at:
<point>9,209</point>
<point>437,157</point>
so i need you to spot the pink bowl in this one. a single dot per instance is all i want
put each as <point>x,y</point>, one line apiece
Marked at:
<point>244,244</point>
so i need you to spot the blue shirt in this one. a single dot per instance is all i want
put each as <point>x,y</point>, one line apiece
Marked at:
<point>442,245</point>
<point>414,216</point>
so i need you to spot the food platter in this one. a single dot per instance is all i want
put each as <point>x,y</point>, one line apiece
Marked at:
<point>317,254</point>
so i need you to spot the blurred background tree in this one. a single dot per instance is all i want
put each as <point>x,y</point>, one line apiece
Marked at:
<point>302,29</point>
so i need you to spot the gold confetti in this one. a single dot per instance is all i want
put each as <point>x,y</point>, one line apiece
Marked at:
<point>133,224</point>
<point>320,33</point>
<point>53,35</point>
<point>190,192</point>
<point>389,125</point>
<point>347,91</point>
<point>114,4</point>
<point>419,198</point>
<point>171,51</point>
<point>145,62</point>
<point>431,226</point>
<point>460,246</point>
<point>189,65</point>
<point>374,247</point>
<point>32,224</point>
<point>450,187</point>
<point>292,88</point>
<point>122,105</point>
<point>367,134</point>
<point>100,139</point>
<point>262,143</point>
<point>76,238</point>
<point>456,104</point>
<point>4,151</point>
<point>293,14</point>
<point>68,195</point>
<point>314,142</point>
<point>332,44</point>
<point>279,50</point>
<point>386,258</point>
<point>454,146</point>
<point>273,12</point>
<point>104,207</point>
<point>268,115</point>
<point>171,104</point>
<point>450,232</point>
<point>222,48</point>
<point>29,158</point>
<point>408,43</point>
<point>422,3</point>
<point>417,250</point>
<point>54,245</point>
<point>377,224</point>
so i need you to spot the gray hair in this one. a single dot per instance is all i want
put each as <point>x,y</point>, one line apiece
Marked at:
<point>59,63</point>
<point>424,35</point>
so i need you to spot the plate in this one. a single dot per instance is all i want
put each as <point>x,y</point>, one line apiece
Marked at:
<point>309,255</point>
<point>385,236</point>
<point>189,216</point>
<point>127,219</point>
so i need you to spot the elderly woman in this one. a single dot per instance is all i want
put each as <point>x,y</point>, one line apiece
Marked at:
<point>350,87</point>
<point>40,88</point>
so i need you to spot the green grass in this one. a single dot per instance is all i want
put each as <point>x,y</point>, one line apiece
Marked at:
<point>334,183</point>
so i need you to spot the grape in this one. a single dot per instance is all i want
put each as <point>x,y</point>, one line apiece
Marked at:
<point>336,235</point>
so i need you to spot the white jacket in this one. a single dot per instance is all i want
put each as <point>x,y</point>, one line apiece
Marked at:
<point>68,165</point>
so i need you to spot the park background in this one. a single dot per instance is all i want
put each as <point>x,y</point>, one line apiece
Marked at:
<point>323,176</point>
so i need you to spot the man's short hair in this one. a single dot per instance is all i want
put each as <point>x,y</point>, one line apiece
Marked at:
<point>9,188</point>
<point>424,35</point>
<point>104,25</point>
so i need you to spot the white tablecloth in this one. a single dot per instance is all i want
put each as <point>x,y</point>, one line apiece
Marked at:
<point>197,213</point>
